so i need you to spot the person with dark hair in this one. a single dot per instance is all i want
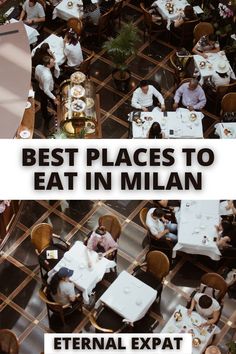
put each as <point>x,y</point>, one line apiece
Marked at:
<point>34,13</point>
<point>61,289</point>
<point>72,49</point>
<point>192,95</point>
<point>159,226</point>
<point>188,15</point>
<point>101,240</point>
<point>91,11</point>
<point>207,307</point>
<point>143,97</point>
<point>206,44</point>
<point>155,132</point>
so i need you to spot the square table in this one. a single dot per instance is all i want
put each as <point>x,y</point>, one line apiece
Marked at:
<point>198,218</point>
<point>32,33</point>
<point>129,297</point>
<point>179,6</point>
<point>172,326</point>
<point>84,278</point>
<point>178,123</point>
<point>226,130</point>
<point>65,13</point>
<point>57,47</point>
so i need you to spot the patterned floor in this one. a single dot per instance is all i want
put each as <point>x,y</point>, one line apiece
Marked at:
<point>23,312</point>
<point>151,62</point>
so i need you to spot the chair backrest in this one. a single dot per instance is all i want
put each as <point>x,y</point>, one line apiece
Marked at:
<point>215,281</point>
<point>75,24</point>
<point>228,103</point>
<point>158,264</point>
<point>224,89</point>
<point>104,20</point>
<point>41,236</point>
<point>8,342</point>
<point>54,306</point>
<point>85,65</point>
<point>187,29</point>
<point>117,8</point>
<point>112,225</point>
<point>202,29</point>
<point>142,216</point>
<point>146,15</point>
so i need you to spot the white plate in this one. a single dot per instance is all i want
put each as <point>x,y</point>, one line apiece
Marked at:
<point>25,134</point>
<point>78,106</point>
<point>28,105</point>
<point>77,91</point>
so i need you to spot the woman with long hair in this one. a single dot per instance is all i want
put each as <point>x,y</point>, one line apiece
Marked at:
<point>155,132</point>
<point>72,49</point>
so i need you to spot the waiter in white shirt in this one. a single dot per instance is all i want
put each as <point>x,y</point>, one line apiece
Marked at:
<point>143,97</point>
<point>44,76</point>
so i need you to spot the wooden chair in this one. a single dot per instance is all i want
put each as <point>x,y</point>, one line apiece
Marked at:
<point>184,34</point>
<point>215,281</point>
<point>157,267</point>
<point>102,26</point>
<point>179,67</point>
<point>202,29</point>
<point>61,310</point>
<point>107,321</point>
<point>8,342</point>
<point>43,239</point>
<point>76,24</point>
<point>228,103</point>
<point>113,226</point>
<point>84,67</point>
<point>117,11</point>
<point>149,26</point>
<point>216,96</point>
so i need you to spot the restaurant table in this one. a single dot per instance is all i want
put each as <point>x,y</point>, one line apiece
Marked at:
<point>191,322</point>
<point>57,47</point>
<point>226,130</point>
<point>65,13</point>
<point>175,125</point>
<point>129,297</point>
<point>32,33</point>
<point>196,220</point>
<point>84,278</point>
<point>211,63</point>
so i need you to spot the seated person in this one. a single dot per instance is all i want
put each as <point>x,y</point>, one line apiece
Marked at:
<point>40,53</point>
<point>207,307</point>
<point>72,49</point>
<point>222,75</point>
<point>34,13</point>
<point>91,11</point>
<point>159,226</point>
<point>143,97</point>
<point>101,240</point>
<point>226,235</point>
<point>188,15</point>
<point>192,95</point>
<point>155,132</point>
<point>206,44</point>
<point>61,288</point>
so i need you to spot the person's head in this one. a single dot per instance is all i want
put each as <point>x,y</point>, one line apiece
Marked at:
<point>100,232</point>
<point>155,131</point>
<point>157,213</point>
<point>44,48</point>
<point>144,86</point>
<point>63,274</point>
<point>32,3</point>
<point>72,37</point>
<point>189,12</point>
<point>48,61</point>
<point>205,301</point>
<point>212,37</point>
<point>193,84</point>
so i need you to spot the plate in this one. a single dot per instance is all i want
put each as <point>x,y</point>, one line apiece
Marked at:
<point>148,118</point>
<point>90,127</point>
<point>193,117</point>
<point>77,91</point>
<point>202,64</point>
<point>25,134</point>
<point>78,106</point>
<point>28,105</point>
<point>89,102</point>
<point>77,77</point>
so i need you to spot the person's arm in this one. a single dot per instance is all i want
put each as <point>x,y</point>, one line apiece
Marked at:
<point>46,90</point>
<point>178,94</point>
<point>135,99</point>
<point>160,98</point>
<point>71,292</point>
<point>198,52</point>
<point>22,15</point>
<point>193,303</point>
<point>213,320</point>
<point>202,100</point>
<point>56,70</point>
<point>158,234</point>
<point>178,22</point>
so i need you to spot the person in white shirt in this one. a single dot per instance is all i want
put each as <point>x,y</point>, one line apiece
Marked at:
<point>34,13</point>
<point>159,226</point>
<point>61,288</point>
<point>44,77</point>
<point>72,49</point>
<point>143,97</point>
<point>223,74</point>
<point>207,307</point>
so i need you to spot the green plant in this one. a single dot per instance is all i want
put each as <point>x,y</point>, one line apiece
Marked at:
<point>3,19</point>
<point>122,47</point>
<point>232,347</point>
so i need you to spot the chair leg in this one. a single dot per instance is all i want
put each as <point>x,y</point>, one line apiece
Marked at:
<point>62,317</point>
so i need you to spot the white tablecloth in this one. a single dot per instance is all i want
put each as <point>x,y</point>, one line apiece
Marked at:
<point>179,6</point>
<point>177,327</point>
<point>85,278</point>
<point>220,130</point>
<point>178,121</point>
<point>196,220</point>
<point>211,63</point>
<point>57,47</point>
<point>129,297</point>
<point>32,33</point>
<point>62,11</point>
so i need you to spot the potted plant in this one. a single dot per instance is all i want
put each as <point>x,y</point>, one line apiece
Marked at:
<point>120,49</point>
<point>231,347</point>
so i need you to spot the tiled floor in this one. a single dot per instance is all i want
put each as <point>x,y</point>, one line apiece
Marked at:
<point>20,307</point>
<point>152,62</point>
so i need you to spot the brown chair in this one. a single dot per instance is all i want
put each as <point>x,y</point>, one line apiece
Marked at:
<point>84,67</point>
<point>215,281</point>
<point>61,310</point>
<point>216,96</point>
<point>151,27</point>
<point>228,103</point>
<point>102,26</point>
<point>76,24</point>
<point>104,320</point>
<point>43,239</point>
<point>8,342</point>
<point>179,66</point>
<point>117,11</point>
<point>157,267</point>
<point>183,35</point>
<point>112,225</point>
<point>202,29</point>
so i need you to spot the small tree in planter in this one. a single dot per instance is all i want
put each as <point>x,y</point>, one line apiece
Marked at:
<point>120,49</point>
